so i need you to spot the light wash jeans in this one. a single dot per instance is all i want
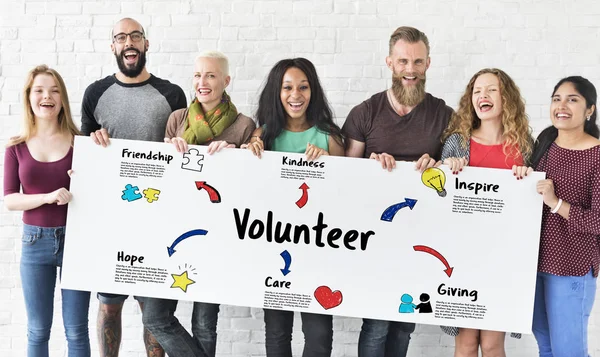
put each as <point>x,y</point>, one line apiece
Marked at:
<point>159,318</point>
<point>561,313</point>
<point>380,338</point>
<point>42,255</point>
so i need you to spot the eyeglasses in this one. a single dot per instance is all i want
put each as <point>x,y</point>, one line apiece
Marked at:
<point>135,36</point>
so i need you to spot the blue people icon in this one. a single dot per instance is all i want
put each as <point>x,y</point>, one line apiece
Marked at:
<point>406,307</point>
<point>425,306</point>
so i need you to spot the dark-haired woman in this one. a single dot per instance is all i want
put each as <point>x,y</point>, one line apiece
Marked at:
<point>569,153</point>
<point>294,116</point>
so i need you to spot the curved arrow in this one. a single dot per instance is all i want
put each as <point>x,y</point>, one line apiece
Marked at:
<point>390,212</point>
<point>195,232</point>
<point>213,194</point>
<point>435,253</point>
<point>302,201</point>
<point>287,258</point>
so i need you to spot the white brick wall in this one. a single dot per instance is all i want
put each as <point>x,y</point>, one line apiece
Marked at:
<point>535,41</point>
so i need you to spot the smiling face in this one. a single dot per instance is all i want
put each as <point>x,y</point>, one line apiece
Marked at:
<point>486,98</point>
<point>44,98</point>
<point>568,110</point>
<point>131,54</point>
<point>408,62</point>
<point>209,81</point>
<point>295,93</point>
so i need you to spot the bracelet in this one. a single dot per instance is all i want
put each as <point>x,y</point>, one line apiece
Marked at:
<point>555,209</point>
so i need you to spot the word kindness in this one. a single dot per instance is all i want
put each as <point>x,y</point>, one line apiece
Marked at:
<point>147,156</point>
<point>283,232</point>
<point>302,162</point>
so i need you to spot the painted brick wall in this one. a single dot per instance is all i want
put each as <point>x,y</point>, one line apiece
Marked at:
<point>535,41</point>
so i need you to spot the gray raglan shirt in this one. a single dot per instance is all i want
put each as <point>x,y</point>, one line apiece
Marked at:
<point>136,111</point>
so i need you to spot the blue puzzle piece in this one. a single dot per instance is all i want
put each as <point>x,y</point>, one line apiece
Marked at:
<point>130,193</point>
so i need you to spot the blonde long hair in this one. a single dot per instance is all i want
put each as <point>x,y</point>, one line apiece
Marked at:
<point>515,124</point>
<point>65,120</point>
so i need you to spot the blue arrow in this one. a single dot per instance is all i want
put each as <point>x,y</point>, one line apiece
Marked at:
<point>287,258</point>
<point>390,212</point>
<point>195,232</point>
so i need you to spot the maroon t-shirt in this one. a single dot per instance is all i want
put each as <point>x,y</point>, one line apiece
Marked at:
<point>571,247</point>
<point>375,123</point>
<point>22,170</point>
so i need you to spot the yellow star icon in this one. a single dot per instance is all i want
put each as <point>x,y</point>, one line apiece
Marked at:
<point>181,281</point>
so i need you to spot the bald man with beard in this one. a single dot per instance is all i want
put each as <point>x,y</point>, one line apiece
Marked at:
<point>130,104</point>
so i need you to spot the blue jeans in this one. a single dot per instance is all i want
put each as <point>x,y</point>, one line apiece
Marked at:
<point>317,328</point>
<point>561,313</point>
<point>380,338</point>
<point>159,318</point>
<point>42,254</point>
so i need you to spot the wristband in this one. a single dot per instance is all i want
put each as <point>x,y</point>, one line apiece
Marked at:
<point>555,209</point>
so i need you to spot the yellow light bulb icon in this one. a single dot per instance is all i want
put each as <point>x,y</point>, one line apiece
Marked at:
<point>435,178</point>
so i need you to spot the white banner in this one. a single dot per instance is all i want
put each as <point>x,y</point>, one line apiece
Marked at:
<point>335,236</point>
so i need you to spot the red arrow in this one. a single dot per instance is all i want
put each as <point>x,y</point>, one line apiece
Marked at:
<point>435,253</point>
<point>302,201</point>
<point>213,194</point>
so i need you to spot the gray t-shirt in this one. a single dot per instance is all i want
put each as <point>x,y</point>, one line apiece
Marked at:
<point>135,111</point>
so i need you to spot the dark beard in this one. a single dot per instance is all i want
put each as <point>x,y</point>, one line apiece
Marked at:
<point>135,71</point>
<point>409,96</point>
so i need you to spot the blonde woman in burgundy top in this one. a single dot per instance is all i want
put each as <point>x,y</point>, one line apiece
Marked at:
<point>489,129</point>
<point>36,182</point>
<point>569,153</point>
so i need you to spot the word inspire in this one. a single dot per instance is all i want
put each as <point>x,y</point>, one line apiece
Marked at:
<point>148,156</point>
<point>302,162</point>
<point>122,257</point>
<point>443,290</point>
<point>486,187</point>
<point>280,233</point>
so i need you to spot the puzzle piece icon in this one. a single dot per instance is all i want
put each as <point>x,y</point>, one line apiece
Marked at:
<point>192,159</point>
<point>130,193</point>
<point>151,194</point>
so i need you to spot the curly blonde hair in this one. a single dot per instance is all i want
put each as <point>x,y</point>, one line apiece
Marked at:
<point>515,123</point>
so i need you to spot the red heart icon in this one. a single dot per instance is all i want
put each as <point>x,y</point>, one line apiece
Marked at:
<point>327,298</point>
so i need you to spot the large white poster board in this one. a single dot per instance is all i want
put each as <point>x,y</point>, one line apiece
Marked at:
<point>337,236</point>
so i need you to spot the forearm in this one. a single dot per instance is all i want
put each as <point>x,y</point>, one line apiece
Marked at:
<point>335,147</point>
<point>24,202</point>
<point>355,148</point>
<point>581,220</point>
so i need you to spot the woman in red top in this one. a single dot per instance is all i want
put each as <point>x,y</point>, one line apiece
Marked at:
<point>489,129</point>
<point>569,153</point>
<point>36,182</point>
